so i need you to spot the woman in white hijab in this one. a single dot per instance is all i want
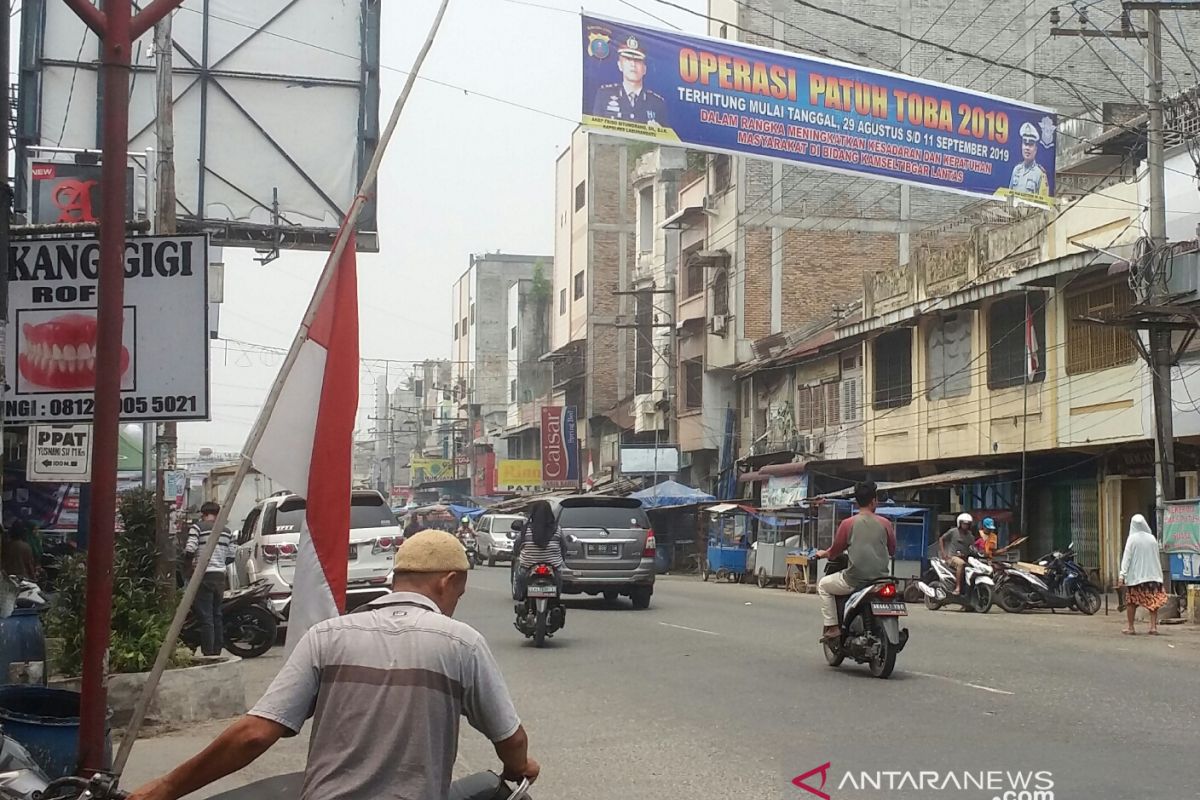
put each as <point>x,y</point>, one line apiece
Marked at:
<point>1141,574</point>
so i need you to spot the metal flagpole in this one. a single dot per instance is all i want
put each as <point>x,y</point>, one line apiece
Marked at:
<point>1025,379</point>
<point>260,425</point>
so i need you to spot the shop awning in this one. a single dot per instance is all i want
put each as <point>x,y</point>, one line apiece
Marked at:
<point>951,478</point>
<point>722,508</point>
<point>780,470</point>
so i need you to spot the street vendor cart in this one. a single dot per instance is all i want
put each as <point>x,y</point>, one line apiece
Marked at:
<point>729,534</point>
<point>780,534</point>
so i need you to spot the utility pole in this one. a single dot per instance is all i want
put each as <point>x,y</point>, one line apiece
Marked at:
<point>164,225</point>
<point>5,223</point>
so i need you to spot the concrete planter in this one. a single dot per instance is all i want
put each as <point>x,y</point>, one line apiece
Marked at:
<point>212,689</point>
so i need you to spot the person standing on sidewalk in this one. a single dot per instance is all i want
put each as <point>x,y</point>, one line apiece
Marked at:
<point>1141,575</point>
<point>207,606</point>
<point>386,687</point>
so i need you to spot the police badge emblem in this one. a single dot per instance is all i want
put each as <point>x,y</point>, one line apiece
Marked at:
<point>599,45</point>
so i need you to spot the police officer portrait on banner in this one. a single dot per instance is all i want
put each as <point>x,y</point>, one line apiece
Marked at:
<point>630,99</point>
<point>1029,177</point>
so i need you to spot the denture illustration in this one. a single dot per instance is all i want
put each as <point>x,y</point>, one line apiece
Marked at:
<point>61,353</point>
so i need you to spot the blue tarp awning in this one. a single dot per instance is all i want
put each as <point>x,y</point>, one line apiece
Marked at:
<point>671,493</point>
<point>465,511</point>
<point>899,511</point>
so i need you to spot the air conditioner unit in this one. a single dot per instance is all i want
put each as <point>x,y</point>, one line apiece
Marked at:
<point>718,324</point>
<point>709,203</point>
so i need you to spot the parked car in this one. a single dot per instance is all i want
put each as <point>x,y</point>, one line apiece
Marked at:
<point>610,547</point>
<point>494,537</point>
<point>268,542</point>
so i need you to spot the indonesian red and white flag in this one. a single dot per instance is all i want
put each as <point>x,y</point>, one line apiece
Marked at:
<point>307,446</point>
<point>1032,365</point>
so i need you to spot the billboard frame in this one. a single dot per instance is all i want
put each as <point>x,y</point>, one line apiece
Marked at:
<point>205,75</point>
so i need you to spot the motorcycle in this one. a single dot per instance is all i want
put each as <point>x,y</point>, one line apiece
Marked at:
<point>869,623</point>
<point>250,622</point>
<point>22,779</point>
<point>1062,584</point>
<point>468,543</point>
<point>979,585</point>
<point>542,613</point>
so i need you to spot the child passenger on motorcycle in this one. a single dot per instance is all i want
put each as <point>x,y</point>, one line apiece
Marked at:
<point>540,542</point>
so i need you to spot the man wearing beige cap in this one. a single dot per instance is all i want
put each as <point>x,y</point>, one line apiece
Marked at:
<point>385,687</point>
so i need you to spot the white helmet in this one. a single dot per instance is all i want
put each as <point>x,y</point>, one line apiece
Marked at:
<point>965,518</point>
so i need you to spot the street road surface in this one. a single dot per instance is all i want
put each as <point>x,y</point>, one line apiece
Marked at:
<point>721,691</point>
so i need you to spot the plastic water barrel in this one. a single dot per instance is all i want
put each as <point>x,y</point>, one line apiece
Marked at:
<point>46,722</point>
<point>23,645</point>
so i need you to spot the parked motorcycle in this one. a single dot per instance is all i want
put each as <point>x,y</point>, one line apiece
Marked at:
<point>978,584</point>
<point>869,622</point>
<point>250,622</point>
<point>542,614</point>
<point>22,779</point>
<point>1062,584</point>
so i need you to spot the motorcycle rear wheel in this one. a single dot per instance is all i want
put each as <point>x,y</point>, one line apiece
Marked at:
<point>1008,599</point>
<point>539,630</point>
<point>250,631</point>
<point>885,658</point>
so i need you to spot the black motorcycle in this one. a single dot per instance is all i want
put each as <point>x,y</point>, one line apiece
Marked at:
<point>542,613</point>
<point>869,623</point>
<point>1060,583</point>
<point>250,622</point>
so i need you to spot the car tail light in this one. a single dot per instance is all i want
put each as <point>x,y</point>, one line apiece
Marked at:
<point>541,569</point>
<point>287,550</point>
<point>270,553</point>
<point>651,545</point>
<point>887,590</point>
<point>384,544</point>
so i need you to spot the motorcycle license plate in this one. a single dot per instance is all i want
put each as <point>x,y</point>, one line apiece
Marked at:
<point>542,591</point>
<point>889,609</point>
<point>612,550</point>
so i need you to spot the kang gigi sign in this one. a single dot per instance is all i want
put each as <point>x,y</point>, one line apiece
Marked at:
<point>518,475</point>
<point>560,447</point>
<point>51,345</point>
<point>666,86</point>
<point>999,784</point>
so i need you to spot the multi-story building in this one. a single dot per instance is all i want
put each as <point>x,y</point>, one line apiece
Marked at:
<point>529,375</point>
<point>480,354</point>
<point>591,339</point>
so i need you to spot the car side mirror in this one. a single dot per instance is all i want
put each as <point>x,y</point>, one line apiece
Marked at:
<point>517,525</point>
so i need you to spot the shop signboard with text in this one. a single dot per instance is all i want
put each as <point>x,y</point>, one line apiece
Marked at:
<point>671,87</point>
<point>518,475</point>
<point>51,346</point>
<point>560,447</point>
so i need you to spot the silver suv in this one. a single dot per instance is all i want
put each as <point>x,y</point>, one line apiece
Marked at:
<point>610,547</point>
<point>494,537</point>
<point>268,543</point>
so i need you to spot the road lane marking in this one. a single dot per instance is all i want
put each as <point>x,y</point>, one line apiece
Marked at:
<point>961,683</point>
<point>693,630</point>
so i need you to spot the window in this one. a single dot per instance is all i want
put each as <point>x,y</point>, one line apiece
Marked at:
<point>722,173</point>
<point>456,331</point>
<point>580,195</point>
<point>512,337</point>
<point>464,326</point>
<point>472,312</point>
<point>512,391</point>
<point>1007,340</point>
<point>578,285</point>
<point>851,398</point>
<point>419,388</point>
<point>693,271</point>
<point>1095,347</point>
<point>892,367</point>
<point>720,290</point>
<point>832,404</point>
<point>562,302</point>
<point>818,406</point>
<point>643,376</point>
<point>747,397</point>
<point>693,384</point>
<point>948,356</point>
<point>804,409</point>
<point>646,220</point>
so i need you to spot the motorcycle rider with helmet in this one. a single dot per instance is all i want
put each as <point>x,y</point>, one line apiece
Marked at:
<point>955,545</point>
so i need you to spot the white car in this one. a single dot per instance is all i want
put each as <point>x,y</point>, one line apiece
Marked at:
<point>268,541</point>
<point>494,537</point>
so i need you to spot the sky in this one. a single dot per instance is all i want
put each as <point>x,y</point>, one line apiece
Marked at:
<point>463,174</point>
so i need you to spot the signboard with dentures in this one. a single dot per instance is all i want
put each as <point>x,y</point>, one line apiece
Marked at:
<point>51,345</point>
